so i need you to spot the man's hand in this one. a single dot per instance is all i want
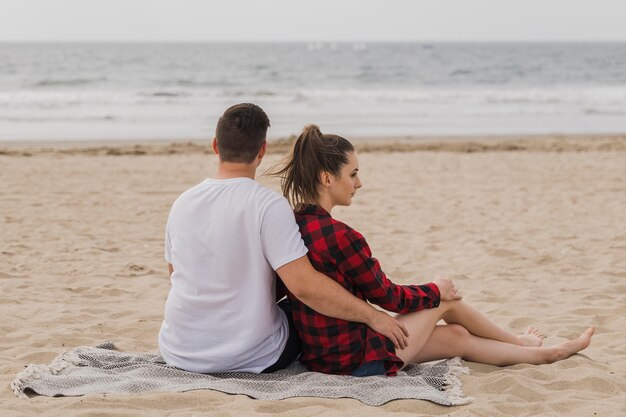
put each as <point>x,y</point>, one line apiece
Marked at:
<point>328,297</point>
<point>388,326</point>
<point>447,290</point>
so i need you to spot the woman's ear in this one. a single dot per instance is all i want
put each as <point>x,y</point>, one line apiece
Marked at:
<point>325,178</point>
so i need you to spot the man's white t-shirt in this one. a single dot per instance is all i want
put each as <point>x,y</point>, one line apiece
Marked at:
<point>225,239</point>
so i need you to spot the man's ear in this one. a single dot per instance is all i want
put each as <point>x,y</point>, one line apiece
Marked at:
<point>214,146</point>
<point>261,154</point>
<point>263,150</point>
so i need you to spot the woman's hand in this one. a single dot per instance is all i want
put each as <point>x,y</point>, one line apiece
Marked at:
<point>447,289</point>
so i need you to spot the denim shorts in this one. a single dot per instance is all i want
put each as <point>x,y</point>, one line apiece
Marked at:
<point>370,369</point>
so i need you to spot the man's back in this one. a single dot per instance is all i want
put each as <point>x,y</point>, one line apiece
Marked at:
<point>224,239</point>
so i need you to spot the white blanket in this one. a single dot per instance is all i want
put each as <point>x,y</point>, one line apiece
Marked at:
<point>102,369</point>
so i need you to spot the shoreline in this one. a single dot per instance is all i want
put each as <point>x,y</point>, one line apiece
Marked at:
<point>460,144</point>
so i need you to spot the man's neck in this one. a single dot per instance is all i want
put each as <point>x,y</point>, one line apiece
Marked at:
<point>227,170</point>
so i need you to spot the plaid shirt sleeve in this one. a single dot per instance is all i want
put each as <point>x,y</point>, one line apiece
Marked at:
<point>355,261</point>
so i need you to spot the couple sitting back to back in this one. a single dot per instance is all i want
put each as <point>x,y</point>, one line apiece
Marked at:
<point>228,237</point>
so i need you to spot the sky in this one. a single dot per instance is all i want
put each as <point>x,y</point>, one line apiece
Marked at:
<point>319,20</point>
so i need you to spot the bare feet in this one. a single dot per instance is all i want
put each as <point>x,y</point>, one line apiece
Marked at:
<point>567,349</point>
<point>532,337</point>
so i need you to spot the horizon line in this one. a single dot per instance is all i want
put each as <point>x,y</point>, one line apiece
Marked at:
<point>426,41</point>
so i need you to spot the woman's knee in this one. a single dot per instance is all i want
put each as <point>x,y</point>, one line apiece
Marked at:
<point>457,331</point>
<point>449,307</point>
<point>457,338</point>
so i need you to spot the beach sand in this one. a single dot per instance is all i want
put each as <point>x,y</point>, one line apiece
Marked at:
<point>532,230</point>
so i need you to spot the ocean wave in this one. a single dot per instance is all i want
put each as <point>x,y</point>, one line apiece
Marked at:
<point>460,72</point>
<point>611,99</point>
<point>184,82</point>
<point>248,93</point>
<point>334,46</point>
<point>68,82</point>
<point>614,97</point>
<point>369,76</point>
<point>64,118</point>
<point>612,112</point>
<point>167,94</point>
<point>55,99</point>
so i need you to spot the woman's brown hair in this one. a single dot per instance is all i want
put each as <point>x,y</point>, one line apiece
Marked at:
<point>312,154</point>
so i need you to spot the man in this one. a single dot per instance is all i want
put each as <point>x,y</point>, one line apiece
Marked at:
<point>225,237</point>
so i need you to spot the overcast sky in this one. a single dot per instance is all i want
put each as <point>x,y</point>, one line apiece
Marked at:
<point>312,20</point>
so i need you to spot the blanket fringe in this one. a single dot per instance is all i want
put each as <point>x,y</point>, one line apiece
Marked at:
<point>35,371</point>
<point>454,387</point>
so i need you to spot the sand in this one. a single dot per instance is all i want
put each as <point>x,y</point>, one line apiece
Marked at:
<point>534,234</point>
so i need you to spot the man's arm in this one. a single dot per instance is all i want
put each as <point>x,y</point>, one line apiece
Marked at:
<point>328,297</point>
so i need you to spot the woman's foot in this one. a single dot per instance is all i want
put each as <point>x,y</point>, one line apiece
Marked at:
<point>566,349</point>
<point>532,337</point>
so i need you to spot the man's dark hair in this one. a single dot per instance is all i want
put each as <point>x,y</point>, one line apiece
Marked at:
<point>241,132</point>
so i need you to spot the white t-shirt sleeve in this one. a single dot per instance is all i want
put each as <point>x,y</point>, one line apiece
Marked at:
<point>280,236</point>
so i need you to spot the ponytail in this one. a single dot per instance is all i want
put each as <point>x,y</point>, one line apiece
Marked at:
<point>312,154</point>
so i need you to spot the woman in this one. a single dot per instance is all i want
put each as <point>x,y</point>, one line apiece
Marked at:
<point>322,173</point>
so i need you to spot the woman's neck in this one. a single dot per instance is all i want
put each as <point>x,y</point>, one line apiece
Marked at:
<point>325,203</point>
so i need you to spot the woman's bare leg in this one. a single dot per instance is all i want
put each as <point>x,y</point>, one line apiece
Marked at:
<point>422,324</point>
<point>452,340</point>
<point>478,324</point>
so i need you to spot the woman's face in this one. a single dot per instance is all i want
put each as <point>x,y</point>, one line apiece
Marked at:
<point>343,187</point>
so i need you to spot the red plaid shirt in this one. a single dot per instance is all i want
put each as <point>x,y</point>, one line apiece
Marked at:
<point>337,346</point>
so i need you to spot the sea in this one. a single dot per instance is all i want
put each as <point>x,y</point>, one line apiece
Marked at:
<point>106,91</point>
